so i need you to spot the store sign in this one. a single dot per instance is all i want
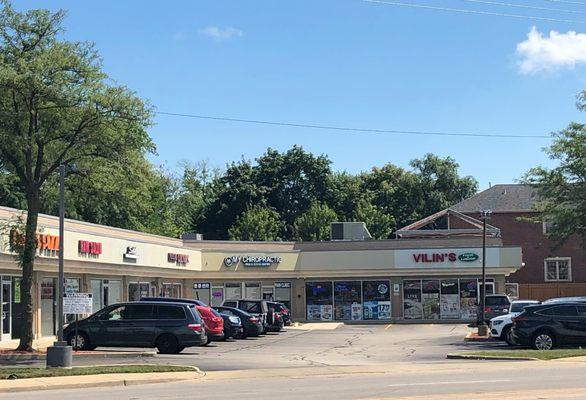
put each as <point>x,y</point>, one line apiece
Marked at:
<point>46,244</point>
<point>437,258</point>
<point>89,248</point>
<point>178,258</point>
<point>201,285</point>
<point>252,261</point>
<point>77,303</point>
<point>130,253</point>
<point>283,285</point>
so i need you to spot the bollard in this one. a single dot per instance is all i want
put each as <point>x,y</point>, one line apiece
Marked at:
<point>59,355</point>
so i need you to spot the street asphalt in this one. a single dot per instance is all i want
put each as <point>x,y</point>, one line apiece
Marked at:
<point>352,361</point>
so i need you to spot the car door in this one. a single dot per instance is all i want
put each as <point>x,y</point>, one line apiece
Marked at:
<point>581,326</point>
<point>108,328</point>
<point>567,322</point>
<point>138,326</point>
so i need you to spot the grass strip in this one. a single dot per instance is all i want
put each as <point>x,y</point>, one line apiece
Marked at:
<point>25,372</point>
<point>539,354</point>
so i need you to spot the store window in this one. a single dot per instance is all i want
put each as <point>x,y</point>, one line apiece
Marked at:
<point>217,295</point>
<point>319,301</point>
<point>48,306</point>
<point>558,269</point>
<point>252,291</point>
<point>450,299</point>
<point>138,290</point>
<point>512,290</point>
<point>283,293</point>
<point>201,291</point>
<point>347,300</point>
<point>412,307</point>
<point>430,298</point>
<point>233,291</point>
<point>172,290</point>
<point>468,298</point>
<point>105,292</point>
<point>376,300</point>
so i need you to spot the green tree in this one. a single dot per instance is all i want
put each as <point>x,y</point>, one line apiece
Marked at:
<point>258,223</point>
<point>379,224</point>
<point>562,190</point>
<point>314,224</point>
<point>57,107</point>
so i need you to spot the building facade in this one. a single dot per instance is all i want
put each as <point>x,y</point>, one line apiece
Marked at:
<point>433,279</point>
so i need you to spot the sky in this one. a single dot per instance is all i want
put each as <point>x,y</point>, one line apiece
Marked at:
<point>347,63</point>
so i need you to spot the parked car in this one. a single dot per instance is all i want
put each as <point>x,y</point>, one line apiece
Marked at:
<point>251,325</point>
<point>495,306</point>
<point>576,299</point>
<point>232,325</point>
<point>214,324</point>
<point>257,308</point>
<point>549,325</point>
<point>168,327</point>
<point>283,311</point>
<point>275,318</point>
<point>500,327</point>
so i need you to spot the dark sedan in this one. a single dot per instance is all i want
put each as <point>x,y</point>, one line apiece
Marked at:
<point>549,325</point>
<point>251,325</point>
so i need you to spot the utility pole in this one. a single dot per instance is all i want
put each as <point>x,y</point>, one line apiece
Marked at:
<point>482,327</point>
<point>60,355</point>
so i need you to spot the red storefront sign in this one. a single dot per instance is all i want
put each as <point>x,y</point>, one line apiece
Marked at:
<point>87,247</point>
<point>434,257</point>
<point>44,241</point>
<point>177,258</point>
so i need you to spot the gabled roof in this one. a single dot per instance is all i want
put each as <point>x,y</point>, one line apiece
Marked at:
<point>431,226</point>
<point>500,198</point>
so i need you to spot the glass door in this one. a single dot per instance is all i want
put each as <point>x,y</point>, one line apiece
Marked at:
<point>6,309</point>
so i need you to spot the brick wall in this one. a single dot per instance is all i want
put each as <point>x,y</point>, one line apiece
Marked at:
<point>536,247</point>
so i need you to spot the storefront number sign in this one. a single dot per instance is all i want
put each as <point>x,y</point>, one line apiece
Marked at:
<point>201,286</point>
<point>77,303</point>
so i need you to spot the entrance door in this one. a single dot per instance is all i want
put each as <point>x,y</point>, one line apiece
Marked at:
<point>6,310</point>
<point>48,303</point>
<point>268,293</point>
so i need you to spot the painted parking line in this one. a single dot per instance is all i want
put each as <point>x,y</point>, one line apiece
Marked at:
<point>449,383</point>
<point>389,326</point>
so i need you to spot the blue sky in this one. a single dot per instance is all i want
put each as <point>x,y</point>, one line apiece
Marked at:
<point>345,63</point>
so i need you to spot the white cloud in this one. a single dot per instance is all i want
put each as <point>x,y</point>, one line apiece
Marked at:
<point>541,53</point>
<point>219,34</point>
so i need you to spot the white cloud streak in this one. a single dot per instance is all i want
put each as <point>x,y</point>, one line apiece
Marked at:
<point>542,53</point>
<point>220,34</point>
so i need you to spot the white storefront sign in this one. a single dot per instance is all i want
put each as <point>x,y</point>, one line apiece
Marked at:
<point>77,303</point>
<point>445,258</point>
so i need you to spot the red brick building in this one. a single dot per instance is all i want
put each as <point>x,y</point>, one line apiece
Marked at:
<point>548,271</point>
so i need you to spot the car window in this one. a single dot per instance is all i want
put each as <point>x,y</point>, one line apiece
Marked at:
<point>114,314</point>
<point>171,312</point>
<point>250,306</point>
<point>565,310</point>
<point>227,312</point>
<point>497,301</point>
<point>195,313</point>
<point>217,314</point>
<point>139,311</point>
<point>230,304</point>
<point>518,307</point>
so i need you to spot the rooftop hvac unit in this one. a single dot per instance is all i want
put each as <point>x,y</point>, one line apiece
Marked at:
<point>349,231</point>
<point>191,236</point>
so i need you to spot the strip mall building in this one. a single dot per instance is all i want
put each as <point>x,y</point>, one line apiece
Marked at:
<point>419,277</point>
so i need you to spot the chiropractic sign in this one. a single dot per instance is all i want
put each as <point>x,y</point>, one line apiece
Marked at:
<point>252,260</point>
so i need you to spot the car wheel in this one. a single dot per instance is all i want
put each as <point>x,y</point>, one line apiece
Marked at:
<point>80,342</point>
<point>167,344</point>
<point>543,341</point>
<point>508,336</point>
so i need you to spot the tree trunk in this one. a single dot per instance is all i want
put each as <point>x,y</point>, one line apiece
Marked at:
<point>28,259</point>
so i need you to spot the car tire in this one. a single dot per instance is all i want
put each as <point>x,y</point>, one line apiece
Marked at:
<point>543,340</point>
<point>167,344</point>
<point>83,341</point>
<point>507,335</point>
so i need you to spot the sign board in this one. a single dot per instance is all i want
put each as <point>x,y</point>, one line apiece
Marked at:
<point>252,261</point>
<point>199,285</point>
<point>445,258</point>
<point>77,303</point>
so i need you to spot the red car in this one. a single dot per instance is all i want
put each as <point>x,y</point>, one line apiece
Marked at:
<point>214,325</point>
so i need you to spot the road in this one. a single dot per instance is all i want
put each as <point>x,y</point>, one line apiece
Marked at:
<point>351,362</point>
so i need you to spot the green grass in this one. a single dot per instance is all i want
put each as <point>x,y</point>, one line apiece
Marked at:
<point>24,372</point>
<point>539,354</point>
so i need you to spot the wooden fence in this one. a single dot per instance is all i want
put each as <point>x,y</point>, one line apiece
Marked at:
<point>544,291</point>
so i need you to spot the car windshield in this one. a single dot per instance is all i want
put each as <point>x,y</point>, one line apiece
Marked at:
<point>519,307</point>
<point>496,301</point>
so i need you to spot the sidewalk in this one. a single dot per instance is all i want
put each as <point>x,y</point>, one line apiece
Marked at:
<point>39,344</point>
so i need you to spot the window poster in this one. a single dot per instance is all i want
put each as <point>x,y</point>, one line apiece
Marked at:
<point>450,299</point>
<point>468,298</point>
<point>313,312</point>
<point>346,294</point>
<point>430,299</point>
<point>412,307</point>
<point>356,311</point>
<point>326,312</point>
<point>376,300</point>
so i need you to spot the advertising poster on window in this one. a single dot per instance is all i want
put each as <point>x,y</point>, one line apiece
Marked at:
<point>412,307</point>
<point>326,312</point>
<point>450,299</point>
<point>376,300</point>
<point>468,298</point>
<point>356,311</point>
<point>430,298</point>
<point>318,297</point>
<point>313,313</point>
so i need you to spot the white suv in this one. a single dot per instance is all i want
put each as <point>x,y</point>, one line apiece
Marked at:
<point>500,327</point>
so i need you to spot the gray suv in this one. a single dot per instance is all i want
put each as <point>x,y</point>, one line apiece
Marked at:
<point>170,327</point>
<point>257,308</point>
<point>495,306</point>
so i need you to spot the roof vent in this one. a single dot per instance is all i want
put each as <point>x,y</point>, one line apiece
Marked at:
<point>349,231</point>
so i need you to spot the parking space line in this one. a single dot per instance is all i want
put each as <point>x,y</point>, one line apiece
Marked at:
<point>389,326</point>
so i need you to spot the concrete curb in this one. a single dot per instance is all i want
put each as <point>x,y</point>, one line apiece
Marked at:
<point>475,357</point>
<point>105,380</point>
<point>472,337</point>
<point>97,355</point>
